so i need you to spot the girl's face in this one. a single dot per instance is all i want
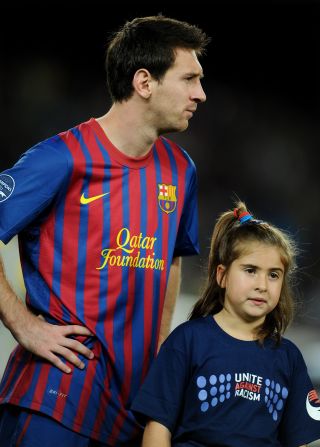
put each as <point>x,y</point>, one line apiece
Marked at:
<point>253,282</point>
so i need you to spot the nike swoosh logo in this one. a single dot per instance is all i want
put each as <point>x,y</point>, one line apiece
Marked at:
<point>85,200</point>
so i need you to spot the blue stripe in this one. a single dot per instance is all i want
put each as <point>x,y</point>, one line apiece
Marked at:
<point>53,383</point>
<point>116,381</point>
<point>78,376</point>
<point>91,416</point>
<point>122,298</point>
<point>58,239</point>
<point>83,231</point>
<point>174,214</point>
<point>11,364</point>
<point>103,298</point>
<point>75,389</point>
<point>139,291</point>
<point>157,275</point>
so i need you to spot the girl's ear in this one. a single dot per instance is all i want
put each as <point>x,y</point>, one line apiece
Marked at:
<point>221,276</point>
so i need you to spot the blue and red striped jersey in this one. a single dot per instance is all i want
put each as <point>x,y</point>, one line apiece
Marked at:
<point>97,234</point>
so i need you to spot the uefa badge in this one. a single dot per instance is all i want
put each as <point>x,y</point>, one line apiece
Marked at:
<point>7,185</point>
<point>167,197</point>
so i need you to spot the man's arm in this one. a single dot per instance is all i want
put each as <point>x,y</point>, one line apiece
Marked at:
<point>172,292</point>
<point>156,435</point>
<point>36,335</point>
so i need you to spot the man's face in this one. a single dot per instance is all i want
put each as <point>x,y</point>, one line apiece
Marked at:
<point>175,98</point>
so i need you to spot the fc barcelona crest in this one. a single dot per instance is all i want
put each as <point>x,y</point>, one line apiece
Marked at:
<point>167,197</point>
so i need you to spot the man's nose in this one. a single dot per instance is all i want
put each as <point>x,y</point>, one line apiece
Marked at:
<point>199,94</point>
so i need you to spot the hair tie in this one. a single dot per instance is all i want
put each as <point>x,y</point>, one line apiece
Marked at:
<point>242,217</point>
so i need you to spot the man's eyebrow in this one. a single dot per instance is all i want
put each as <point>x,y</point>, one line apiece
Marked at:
<point>195,74</point>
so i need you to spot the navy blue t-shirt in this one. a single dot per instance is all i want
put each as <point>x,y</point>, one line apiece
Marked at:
<point>210,389</point>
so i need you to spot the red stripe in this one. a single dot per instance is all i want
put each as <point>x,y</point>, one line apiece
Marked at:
<point>104,401</point>
<point>95,231</point>
<point>182,166</point>
<point>134,189</point>
<point>12,366</point>
<point>152,198</point>
<point>22,386</point>
<point>135,228</point>
<point>166,177</point>
<point>92,275</point>
<point>93,260</point>
<point>46,258</point>
<point>314,396</point>
<point>87,389</point>
<point>24,429</point>
<point>46,262</point>
<point>114,287</point>
<point>152,224</point>
<point>41,386</point>
<point>64,387</point>
<point>71,225</point>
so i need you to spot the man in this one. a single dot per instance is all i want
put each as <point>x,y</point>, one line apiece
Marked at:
<point>104,212</point>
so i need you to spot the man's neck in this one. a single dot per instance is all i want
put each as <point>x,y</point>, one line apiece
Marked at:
<point>127,128</point>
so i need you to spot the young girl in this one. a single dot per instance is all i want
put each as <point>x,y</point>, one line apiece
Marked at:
<point>227,377</point>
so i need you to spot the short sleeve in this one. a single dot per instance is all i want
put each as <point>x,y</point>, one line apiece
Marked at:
<point>187,238</point>
<point>301,420</point>
<point>161,395</point>
<point>30,186</point>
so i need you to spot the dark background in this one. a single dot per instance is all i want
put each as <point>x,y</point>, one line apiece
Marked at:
<point>256,137</point>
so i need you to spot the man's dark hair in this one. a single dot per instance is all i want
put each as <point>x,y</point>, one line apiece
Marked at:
<point>150,43</point>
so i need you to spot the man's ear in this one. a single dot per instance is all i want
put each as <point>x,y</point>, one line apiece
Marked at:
<point>221,275</point>
<point>142,83</point>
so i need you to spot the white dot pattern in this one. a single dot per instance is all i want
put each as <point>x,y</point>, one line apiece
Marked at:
<point>218,390</point>
<point>275,396</point>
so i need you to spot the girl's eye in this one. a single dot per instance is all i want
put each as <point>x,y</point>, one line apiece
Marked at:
<point>250,270</point>
<point>274,275</point>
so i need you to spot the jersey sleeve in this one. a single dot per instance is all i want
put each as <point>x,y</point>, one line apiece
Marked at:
<point>187,242</point>
<point>301,420</point>
<point>30,186</point>
<point>161,395</point>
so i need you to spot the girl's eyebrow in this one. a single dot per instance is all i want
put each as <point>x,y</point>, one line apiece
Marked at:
<point>278,269</point>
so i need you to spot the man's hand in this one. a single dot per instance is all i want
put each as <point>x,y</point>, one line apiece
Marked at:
<point>36,335</point>
<point>47,340</point>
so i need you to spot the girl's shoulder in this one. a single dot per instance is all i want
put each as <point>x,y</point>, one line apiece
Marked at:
<point>291,351</point>
<point>289,346</point>
<point>193,326</point>
<point>187,333</point>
